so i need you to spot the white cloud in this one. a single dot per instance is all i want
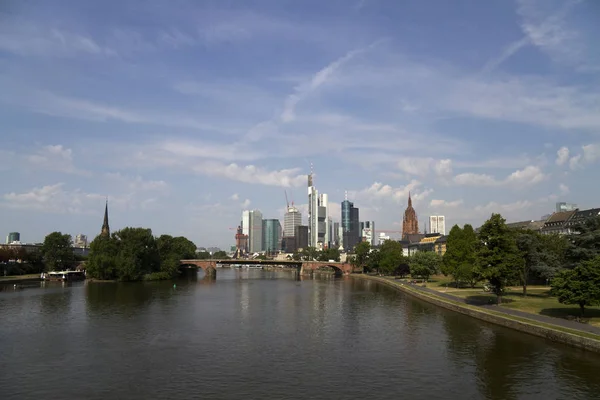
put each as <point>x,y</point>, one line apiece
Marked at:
<point>590,153</point>
<point>564,189</point>
<point>562,156</point>
<point>528,175</point>
<point>252,174</point>
<point>246,204</point>
<point>574,162</point>
<point>494,207</point>
<point>422,166</point>
<point>445,204</point>
<point>378,191</point>
<point>235,197</point>
<point>137,183</point>
<point>54,158</point>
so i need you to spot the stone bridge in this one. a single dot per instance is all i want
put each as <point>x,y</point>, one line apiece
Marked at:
<point>304,267</point>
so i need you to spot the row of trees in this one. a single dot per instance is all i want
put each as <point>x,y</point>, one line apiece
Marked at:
<point>389,259</point>
<point>504,257</point>
<point>133,254</point>
<point>314,254</point>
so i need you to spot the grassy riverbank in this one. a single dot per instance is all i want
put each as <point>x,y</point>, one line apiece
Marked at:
<point>538,300</point>
<point>18,278</point>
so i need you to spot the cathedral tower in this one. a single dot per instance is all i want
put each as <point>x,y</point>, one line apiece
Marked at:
<point>105,228</point>
<point>410,223</point>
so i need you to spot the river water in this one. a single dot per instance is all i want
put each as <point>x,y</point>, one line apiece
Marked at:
<point>264,335</point>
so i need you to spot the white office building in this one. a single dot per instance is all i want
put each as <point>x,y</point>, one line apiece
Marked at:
<point>291,220</point>
<point>252,226</point>
<point>437,224</point>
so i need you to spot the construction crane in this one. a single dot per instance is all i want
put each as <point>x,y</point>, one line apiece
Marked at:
<point>287,202</point>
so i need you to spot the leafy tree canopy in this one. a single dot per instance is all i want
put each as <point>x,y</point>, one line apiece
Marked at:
<point>585,242</point>
<point>580,285</point>
<point>424,264</point>
<point>58,252</point>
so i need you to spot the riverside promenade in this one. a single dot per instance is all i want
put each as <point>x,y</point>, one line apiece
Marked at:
<point>573,333</point>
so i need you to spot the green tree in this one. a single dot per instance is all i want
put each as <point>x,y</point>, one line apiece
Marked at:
<point>138,254</point>
<point>220,255</point>
<point>580,285</point>
<point>361,255</point>
<point>296,256</point>
<point>585,242</point>
<point>310,254</point>
<point>330,254</point>
<point>57,252</point>
<point>424,264</point>
<point>498,257</point>
<point>373,259</point>
<point>532,252</point>
<point>554,248</point>
<point>102,261</point>
<point>172,250</point>
<point>390,256</point>
<point>203,255</point>
<point>459,261</point>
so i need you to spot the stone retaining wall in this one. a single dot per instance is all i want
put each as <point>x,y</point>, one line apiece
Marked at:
<point>532,327</point>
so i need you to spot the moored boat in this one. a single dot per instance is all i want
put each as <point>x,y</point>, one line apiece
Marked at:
<point>63,276</point>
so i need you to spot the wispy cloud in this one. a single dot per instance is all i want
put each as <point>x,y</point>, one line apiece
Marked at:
<point>527,176</point>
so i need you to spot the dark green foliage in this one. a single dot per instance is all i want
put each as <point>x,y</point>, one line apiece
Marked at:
<point>329,254</point>
<point>57,252</point>
<point>220,255</point>
<point>585,242</point>
<point>203,255</point>
<point>133,254</point>
<point>310,254</point>
<point>361,255</point>
<point>423,264</point>
<point>498,257</point>
<point>459,261</point>
<point>390,256</point>
<point>580,285</point>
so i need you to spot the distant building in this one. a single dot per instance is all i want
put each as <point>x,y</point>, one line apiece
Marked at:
<point>301,236</point>
<point>336,235</point>
<point>367,232</point>
<point>291,220</point>
<point>562,206</point>
<point>531,225</point>
<point>13,237</point>
<point>271,235</point>
<point>81,241</point>
<point>252,227</point>
<point>105,231</point>
<point>410,222</point>
<point>437,224</point>
<point>382,237</point>
<point>350,225</point>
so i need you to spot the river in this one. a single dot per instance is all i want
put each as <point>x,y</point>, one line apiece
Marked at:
<point>256,334</point>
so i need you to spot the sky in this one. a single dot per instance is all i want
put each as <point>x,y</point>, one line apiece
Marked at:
<point>185,113</point>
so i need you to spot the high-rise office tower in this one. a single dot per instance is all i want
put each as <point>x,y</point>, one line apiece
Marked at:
<point>252,227</point>
<point>437,224</point>
<point>313,212</point>
<point>368,232</point>
<point>323,222</point>
<point>350,225</point>
<point>291,220</point>
<point>271,235</point>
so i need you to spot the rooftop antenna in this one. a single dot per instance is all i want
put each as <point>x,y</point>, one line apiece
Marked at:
<point>345,195</point>
<point>286,199</point>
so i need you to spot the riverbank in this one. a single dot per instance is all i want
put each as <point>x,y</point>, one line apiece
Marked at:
<point>20,279</point>
<point>568,332</point>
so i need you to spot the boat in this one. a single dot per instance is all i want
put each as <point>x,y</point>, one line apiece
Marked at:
<point>64,276</point>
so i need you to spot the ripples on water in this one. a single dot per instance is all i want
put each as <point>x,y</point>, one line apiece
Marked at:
<point>257,334</point>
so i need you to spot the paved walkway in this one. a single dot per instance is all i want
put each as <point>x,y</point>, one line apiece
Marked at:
<point>565,323</point>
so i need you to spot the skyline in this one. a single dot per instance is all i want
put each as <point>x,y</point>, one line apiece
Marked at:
<point>186,114</point>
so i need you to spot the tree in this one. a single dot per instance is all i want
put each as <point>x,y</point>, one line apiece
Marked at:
<point>361,255</point>
<point>138,254</point>
<point>57,251</point>
<point>310,254</point>
<point>296,256</point>
<point>329,254</point>
<point>459,261</point>
<point>580,285</point>
<point>102,261</point>
<point>390,256</point>
<point>373,259</point>
<point>585,242</point>
<point>203,255</point>
<point>221,255</point>
<point>532,251</point>
<point>554,248</point>
<point>498,257</point>
<point>424,264</point>
<point>172,250</point>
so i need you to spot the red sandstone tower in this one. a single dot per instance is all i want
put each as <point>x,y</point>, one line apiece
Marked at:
<point>410,223</point>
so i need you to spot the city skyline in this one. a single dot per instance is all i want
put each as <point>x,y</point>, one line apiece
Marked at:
<point>185,116</point>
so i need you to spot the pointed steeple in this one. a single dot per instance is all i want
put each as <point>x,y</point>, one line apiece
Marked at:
<point>409,200</point>
<point>105,228</point>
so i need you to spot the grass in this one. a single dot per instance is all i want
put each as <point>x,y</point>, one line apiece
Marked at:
<point>18,277</point>
<point>538,300</point>
<point>507,316</point>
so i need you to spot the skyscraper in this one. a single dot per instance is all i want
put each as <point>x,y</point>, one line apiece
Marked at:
<point>318,216</point>
<point>350,225</point>
<point>291,220</point>
<point>252,227</point>
<point>437,224</point>
<point>410,223</point>
<point>323,222</point>
<point>271,235</point>
<point>367,232</point>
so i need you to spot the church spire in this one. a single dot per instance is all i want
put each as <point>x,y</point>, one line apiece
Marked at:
<point>409,200</point>
<point>105,228</point>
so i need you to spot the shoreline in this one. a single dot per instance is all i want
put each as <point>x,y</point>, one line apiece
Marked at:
<point>580,339</point>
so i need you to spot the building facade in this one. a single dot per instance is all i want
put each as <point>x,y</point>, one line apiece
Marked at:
<point>301,236</point>
<point>13,237</point>
<point>410,222</point>
<point>81,240</point>
<point>368,232</point>
<point>271,235</point>
<point>252,226</point>
<point>437,224</point>
<point>350,225</point>
<point>291,220</point>
<point>563,206</point>
<point>323,222</point>
<point>313,213</point>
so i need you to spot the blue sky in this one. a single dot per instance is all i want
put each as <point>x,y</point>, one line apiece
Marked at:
<point>184,113</point>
